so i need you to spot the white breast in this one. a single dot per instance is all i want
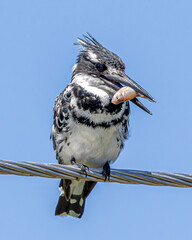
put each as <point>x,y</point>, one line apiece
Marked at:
<point>92,146</point>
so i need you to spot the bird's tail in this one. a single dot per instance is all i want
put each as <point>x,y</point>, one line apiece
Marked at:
<point>72,198</point>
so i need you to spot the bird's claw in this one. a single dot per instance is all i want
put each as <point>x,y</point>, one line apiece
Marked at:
<point>83,167</point>
<point>106,171</point>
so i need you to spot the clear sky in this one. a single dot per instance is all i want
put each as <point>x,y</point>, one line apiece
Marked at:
<point>154,39</point>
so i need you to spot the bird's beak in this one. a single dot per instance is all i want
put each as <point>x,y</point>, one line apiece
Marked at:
<point>115,81</point>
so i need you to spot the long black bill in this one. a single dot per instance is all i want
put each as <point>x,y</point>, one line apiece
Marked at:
<point>129,82</point>
<point>125,80</point>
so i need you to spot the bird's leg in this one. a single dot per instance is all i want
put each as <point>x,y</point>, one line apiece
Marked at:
<point>106,171</point>
<point>83,167</point>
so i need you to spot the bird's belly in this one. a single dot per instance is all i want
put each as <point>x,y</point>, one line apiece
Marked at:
<point>92,146</point>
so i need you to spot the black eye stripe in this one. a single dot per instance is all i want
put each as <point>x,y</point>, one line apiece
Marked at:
<point>101,67</point>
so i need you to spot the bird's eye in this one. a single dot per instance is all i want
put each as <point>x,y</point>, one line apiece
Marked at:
<point>100,67</point>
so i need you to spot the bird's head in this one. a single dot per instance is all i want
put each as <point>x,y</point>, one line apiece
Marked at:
<point>101,69</point>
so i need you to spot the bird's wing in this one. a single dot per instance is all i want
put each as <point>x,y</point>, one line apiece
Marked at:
<point>60,128</point>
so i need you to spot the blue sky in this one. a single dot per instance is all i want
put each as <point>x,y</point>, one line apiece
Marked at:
<point>154,39</point>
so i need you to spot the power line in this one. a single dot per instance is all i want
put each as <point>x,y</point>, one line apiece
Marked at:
<point>51,170</point>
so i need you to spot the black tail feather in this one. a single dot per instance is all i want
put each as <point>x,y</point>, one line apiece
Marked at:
<point>74,203</point>
<point>67,207</point>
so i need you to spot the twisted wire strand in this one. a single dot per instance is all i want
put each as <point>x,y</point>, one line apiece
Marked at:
<point>50,170</point>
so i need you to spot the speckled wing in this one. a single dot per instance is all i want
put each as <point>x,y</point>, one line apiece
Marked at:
<point>60,128</point>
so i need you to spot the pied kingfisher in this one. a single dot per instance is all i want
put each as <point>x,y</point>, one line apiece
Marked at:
<point>88,130</point>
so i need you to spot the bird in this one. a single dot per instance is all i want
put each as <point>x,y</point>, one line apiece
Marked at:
<point>88,130</point>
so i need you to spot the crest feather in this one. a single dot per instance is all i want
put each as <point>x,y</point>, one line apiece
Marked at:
<point>89,42</point>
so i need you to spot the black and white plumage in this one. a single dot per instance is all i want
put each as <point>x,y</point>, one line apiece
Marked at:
<point>88,129</point>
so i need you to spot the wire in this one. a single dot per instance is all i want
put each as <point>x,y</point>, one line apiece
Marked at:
<point>50,170</point>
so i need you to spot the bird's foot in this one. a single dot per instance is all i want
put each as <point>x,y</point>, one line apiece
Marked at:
<point>106,171</point>
<point>83,167</point>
